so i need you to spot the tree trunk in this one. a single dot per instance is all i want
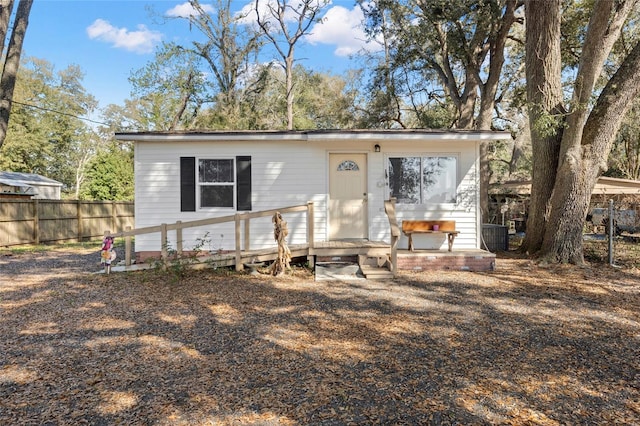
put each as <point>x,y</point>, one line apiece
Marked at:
<point>483,122</point>
<point>11,64</point>
<point>6,6</point>
<point>544,97</point>
<point>523,138</point>
<point>289,87</point>
<point>583,164</point>
<point>488,94</point>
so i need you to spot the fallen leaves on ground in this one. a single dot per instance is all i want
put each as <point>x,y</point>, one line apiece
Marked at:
<point>523,345</point>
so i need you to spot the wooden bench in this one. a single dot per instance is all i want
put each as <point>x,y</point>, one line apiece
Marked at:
<point>410,227</point>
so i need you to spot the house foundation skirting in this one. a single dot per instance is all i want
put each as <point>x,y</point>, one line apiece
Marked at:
<point>430,260</point>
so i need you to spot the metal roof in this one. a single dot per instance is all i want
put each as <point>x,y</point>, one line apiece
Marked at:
<point>26,179</point>
<point>604,185</point>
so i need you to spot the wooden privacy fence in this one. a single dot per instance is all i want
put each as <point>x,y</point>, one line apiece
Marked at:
<point>242,231</point>
<point>43,221</point>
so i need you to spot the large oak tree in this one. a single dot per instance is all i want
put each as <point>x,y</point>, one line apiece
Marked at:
<point>571,142</point>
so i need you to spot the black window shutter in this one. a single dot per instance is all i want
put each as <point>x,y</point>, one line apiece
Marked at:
<point>187,184</point>
<point>243,181</point>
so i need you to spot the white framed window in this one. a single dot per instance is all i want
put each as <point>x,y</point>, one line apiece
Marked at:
<point>216,182</point>
<point>423,179</point>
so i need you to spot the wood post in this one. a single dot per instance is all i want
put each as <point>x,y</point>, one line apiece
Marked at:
<point>79,219</point>
<point>114,215</point>
<point>36,221</point>
<point>179,238</point>
<point>239,265</point>
<point>310,225</point>
<point>127,247</point>
<point>310,234</point>
<point>390,210</point>
<point>247,235</point>
<point>164,253</point>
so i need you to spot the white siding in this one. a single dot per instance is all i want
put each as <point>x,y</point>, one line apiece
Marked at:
<point>286,173</point>
<point>464,212</point>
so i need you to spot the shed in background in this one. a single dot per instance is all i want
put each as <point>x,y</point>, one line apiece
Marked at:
<point>29,185</point>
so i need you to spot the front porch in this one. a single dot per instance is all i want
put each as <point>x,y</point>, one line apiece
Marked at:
<point>372,257</point>
<point>461,260</point>
<point>418,260</point>
<point>375,259</point>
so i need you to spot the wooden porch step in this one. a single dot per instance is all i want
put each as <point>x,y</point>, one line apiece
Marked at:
<point>374,273</point>
<point>375,267</point>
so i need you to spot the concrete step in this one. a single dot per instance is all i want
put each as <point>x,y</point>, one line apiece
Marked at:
<point>337,271</point>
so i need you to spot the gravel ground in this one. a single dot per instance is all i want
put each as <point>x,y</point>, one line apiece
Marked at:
<point>50,261</point>
<point>522,345</point>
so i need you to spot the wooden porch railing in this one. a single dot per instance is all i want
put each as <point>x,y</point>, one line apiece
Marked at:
<point>390,210</point>
<point>242,227</point>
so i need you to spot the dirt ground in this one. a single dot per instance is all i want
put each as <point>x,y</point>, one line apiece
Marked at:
<point>523,345</point>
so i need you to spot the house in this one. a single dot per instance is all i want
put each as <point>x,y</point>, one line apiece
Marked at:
<point>28,185</point>
<point>347,174</point>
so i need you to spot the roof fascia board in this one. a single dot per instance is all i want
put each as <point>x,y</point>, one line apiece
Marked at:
<point>315,137</point>
<point>422,136</point>
<point>208,137</point>
<point>24,183</point>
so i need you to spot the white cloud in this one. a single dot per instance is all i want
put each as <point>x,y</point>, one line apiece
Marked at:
<point>141,41</point>
<point>343,28</point>
<point>247,15</point>
<point>185,10</point>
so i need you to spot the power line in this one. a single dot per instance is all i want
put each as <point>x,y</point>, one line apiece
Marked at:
<point>60,112</point>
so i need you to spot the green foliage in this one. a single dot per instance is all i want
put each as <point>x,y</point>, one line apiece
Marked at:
<point>109,176</point>
<point>45,135</point>
<point>216,68</point>
<point>511,160</point>
<point>624,160</point>
<point>176,266</point>
<point>168,90</point>
<point>323,101</point>
<point>548,125</point>
<point>436,62</point>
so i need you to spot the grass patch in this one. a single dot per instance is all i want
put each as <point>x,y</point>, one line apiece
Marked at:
<point>40,248</point>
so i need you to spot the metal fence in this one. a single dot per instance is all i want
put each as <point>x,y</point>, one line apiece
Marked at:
<point>626,217</point>
<point>44,221</point>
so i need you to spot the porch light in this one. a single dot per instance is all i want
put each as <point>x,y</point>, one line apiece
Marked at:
<point>376,148</point>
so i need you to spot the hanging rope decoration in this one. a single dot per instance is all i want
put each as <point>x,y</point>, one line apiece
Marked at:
<point>280,232</point>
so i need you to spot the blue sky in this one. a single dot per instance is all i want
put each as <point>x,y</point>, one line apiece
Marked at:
<point>108,39</point>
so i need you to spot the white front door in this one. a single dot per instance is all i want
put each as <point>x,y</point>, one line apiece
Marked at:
<point>347,196</point>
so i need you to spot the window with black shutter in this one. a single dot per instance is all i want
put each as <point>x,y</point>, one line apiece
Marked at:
<point>187,184</point>
<point>243,167</point>
<point>215,183</point>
